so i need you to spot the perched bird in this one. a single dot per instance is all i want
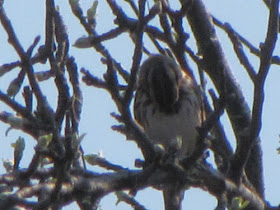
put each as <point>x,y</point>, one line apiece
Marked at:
<point>168,106</point>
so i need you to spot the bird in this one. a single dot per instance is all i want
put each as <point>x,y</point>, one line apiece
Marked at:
<point>168,106</point>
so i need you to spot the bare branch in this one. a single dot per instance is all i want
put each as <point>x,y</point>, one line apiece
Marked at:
<point>244,148</point>
<point>254,50</point>
<point>239,51</point>
<point>66,178</point>
<point>218,69</point>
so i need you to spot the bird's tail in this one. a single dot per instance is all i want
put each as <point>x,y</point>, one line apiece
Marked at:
<point>173,196</point>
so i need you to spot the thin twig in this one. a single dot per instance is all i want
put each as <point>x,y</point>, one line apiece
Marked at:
<point>239,51</point>
<point>244,148</point>
<point>137,54</point>
<point>254,50</point>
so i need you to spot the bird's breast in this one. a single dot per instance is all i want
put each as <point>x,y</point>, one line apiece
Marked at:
<point>173,130</point>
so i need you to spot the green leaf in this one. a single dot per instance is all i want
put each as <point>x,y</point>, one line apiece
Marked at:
<point>237,203</point>
<point>120,196</point>
<point>77,140</point>
<point>91,159</point>
<point>8,165</point>
<point>74,2</point>
<point>84,42</point>
<point>19,147</point>
<point>44,141</point>
<point>15,122</point>
<point>91,12</point>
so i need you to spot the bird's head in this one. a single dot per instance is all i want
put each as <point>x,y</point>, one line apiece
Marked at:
<point>159,77</point>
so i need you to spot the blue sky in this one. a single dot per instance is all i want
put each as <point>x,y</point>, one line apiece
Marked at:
<point>247,17</point>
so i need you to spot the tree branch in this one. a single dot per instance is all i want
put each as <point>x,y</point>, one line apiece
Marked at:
<point>244,147</point>
<point>218,69</point>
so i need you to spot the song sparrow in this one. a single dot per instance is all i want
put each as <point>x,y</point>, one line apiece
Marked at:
<point>168,105</point>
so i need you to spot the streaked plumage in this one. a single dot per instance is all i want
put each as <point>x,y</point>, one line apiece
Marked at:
<point>168,105</point>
